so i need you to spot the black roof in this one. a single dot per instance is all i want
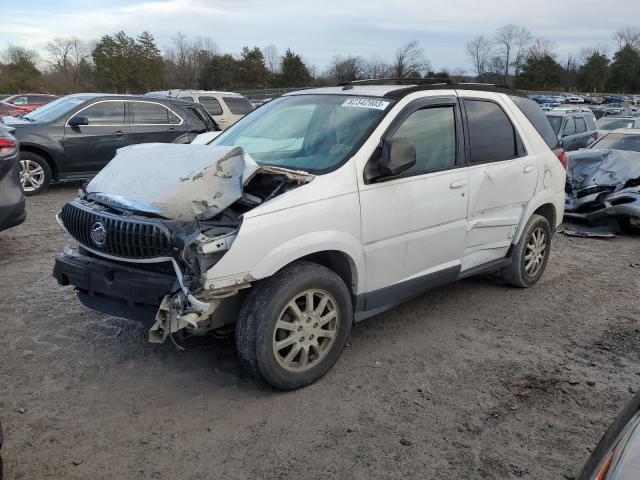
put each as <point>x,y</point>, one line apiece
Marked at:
<point>420,84</point>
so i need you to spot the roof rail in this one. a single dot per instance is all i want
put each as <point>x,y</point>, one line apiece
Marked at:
<point>397,81</point>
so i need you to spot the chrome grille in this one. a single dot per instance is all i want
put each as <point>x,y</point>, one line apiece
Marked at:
<point>125,237</point>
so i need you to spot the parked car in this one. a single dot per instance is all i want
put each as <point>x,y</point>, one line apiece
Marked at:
<point>574,128</point>
<point>225,107</point>
<point>18,105</point>
<point>571,98</point>
<point>617,455</point>
<point>321,207</point>
<point>12,204</point>
<point>604,124</point>
<point>627,139</point>
<point>75,136</point>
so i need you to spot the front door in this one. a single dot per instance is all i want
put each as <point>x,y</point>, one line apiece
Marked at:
<point>413,225</point>
<point>502,180</point>
<point>90,147</point>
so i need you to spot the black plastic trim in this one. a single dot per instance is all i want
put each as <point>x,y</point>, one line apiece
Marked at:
<point>373,303</point>
<point>403,92</point>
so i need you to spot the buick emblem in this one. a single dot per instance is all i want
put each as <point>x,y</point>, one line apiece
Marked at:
<point>98,234</point>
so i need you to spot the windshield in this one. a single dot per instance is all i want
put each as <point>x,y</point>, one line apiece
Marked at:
<point>613,123</point>
<point>556,122</point>
<point>619,141</point>
<point>53,110</point>
<point>314,133</point>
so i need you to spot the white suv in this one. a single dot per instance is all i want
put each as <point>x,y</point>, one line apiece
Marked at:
<point>321,208</point>
<point>226,108</point>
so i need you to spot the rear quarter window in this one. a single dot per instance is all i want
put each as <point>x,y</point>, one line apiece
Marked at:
<point>238,105</point>
<point>492,137</point>
<point>537,118</point>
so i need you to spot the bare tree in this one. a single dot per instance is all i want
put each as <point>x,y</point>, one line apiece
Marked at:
<point>375,67</point>
<point>541,47</point>
<point>186,59</point>
<point>512,42</point>
<point>345,69</point>
<point>68,58</point>
<point>271,58</point>
<point>628,35</point>
<point>16,54</point>
<point>410,61</point>
<point>479,51</point>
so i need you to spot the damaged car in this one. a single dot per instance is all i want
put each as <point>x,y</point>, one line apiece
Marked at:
<point>603,181</point>
<point>319,209</point>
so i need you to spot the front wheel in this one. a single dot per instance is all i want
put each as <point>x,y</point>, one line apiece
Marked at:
<point>293,326</point>
<point>35,173</point>
<point>531,254</point>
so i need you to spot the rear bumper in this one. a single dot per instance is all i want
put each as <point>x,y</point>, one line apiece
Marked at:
<point>112,288</point>
<point>12,203</point>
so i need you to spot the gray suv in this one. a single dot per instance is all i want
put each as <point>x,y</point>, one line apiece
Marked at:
<point>575,128</point>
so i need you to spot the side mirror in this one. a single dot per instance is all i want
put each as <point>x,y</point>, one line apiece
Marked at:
<point>78,121</point>
<point>398,155</point>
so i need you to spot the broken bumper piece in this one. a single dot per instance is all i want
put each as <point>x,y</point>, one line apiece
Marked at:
<point>148,294</point>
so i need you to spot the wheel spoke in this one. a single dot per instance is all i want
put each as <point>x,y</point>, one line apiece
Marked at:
<point>327,318</point>
<point>292,354</point>
<point>290,340</point>
<point>321,306</point>
<point>296,310</point>
<point>304,356</point>
<point>289,326</point>
<point>327,333</point>
<point>309,304</point>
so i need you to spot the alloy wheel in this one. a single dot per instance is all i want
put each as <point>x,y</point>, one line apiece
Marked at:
<point>305,330</point>
<point>31,175</point>
<point>535,252</point>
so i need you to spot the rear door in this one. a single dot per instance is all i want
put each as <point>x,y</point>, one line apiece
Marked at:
<point>570,138</point>
<point>502,178</point>
<point>90,147</point>
<point>238,107</point>
<point>153,122</point>
<point>212,105</point>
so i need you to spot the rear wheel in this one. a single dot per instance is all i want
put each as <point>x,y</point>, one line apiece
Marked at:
<point>531,254</point>
<point>35,173</point>
<point>293,326</point>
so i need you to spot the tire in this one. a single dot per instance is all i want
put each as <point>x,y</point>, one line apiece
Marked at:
<point>39,179</point>
<point>269,306</point>
<point>517,273</point>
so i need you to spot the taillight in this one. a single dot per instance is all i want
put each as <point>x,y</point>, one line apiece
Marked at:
<point>562,156</point>
<point>8,147</point>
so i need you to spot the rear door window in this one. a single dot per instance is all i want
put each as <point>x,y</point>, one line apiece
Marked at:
<point>569,127</point>
<point>211,104</point>
<point>492,137</point>
<point>238,105</point>
<point>581,126</point>
<point>145,113</point>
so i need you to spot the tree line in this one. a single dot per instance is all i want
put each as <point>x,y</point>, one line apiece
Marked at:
<point>513,57</point>
<point>121,63</point>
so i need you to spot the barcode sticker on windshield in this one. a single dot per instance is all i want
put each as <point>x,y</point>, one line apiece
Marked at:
<point>365,103</point>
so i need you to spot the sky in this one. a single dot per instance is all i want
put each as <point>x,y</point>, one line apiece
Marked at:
<point>321,29</point>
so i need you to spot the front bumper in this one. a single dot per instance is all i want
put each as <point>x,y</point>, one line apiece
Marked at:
<point>115,289</point>
<point>12,203</point>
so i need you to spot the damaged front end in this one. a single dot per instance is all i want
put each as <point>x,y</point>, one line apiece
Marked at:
<point>153,222</point>
<point>603,185</point>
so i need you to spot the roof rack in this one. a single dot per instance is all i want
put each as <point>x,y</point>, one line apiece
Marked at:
<point>417,84</point>
<point>397,81</point>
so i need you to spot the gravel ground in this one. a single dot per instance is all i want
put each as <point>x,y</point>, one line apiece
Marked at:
<point>472,380</point>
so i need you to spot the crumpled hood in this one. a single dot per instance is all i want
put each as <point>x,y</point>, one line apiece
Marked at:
<point>179,182</point>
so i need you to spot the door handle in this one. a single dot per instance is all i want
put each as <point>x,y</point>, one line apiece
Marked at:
<point>171,130</point>
<point>458,184</point>
<point>119,134</point>
<point>529,168</point>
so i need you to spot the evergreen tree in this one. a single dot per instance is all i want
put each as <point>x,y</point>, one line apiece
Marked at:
<point>539,72</point>
<point>625,71</point>
<point>293,71</point>
<point>593,75</point>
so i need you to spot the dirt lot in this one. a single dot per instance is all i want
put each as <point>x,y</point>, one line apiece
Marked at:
<point>473,380</point>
